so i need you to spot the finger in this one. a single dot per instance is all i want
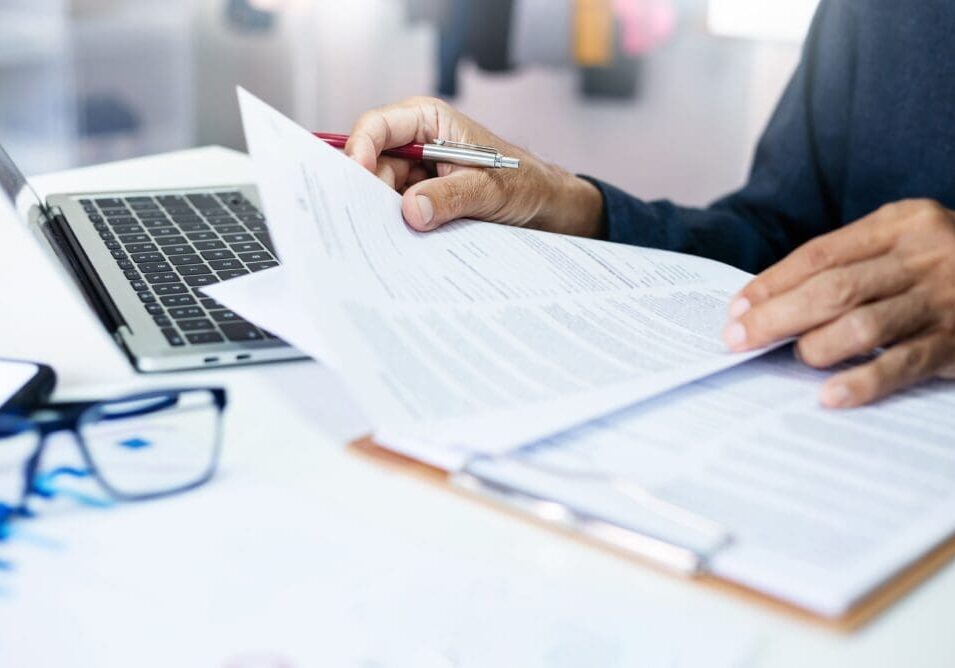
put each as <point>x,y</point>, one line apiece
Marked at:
<point>866,238</point>
<point>417,174</point>
<point>900,366</point>
<point>864,329</point>
<point>393,171</point>
<point>462,193</point>
<point>377,130</point>
<point>820,299</point>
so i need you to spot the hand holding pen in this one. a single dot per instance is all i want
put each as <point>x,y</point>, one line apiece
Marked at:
<point>536,195</point>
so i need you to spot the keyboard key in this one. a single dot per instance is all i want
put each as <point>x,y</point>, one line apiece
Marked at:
<point>162,320</point>
<point>210,304</point>
<point>190,258</point>
<point>230,229</point>
<point>94,217</point>
<point>154,308</point>
<point>118,254</point>
<point>195,325</point>
<point>164,277</point>
<point>178,300</point>
<point>146,297</point>
<point>221,265</point>
<point>171,200</point>
<point>194,227</point>
<point>193,269</point>
<point>131,275</point>
<point>241,331</point>
<point>125,265</point>
<point>184,312</point>
<point>127,229</point>
<point>101,227</point>
<point>146,204</point>
<point>139,258</point>
<point>252,218</point>
<point>106,235</point>
<point>172,241</point>
<point>146,215</point>
<point>153,223</point>
<point>259,256</point>
<point>171,289</point>
<point>200,200</point>
<point>225,316</point>
<point>208,245</point>
<point>164,231</point>
<point>219,221</point>
<point>173,337</point>
<point>141,248</point>
<point>155,267</point>
<point>189,218</point>
<point>232,273</point>
<point>247,247</point>
<point>198,281</point>
<point>116,213</point>
<point>109,203</point>
<point>202,236</point>
<point>140,286</point>
<point>134,238</point>
<point>122,220</point>
<point>266,241</point>
<point>257,227</point>
<point>205,337</point>
<point>259,266</point>
<point>112,244</point>
<point>177,249</point>
<point>237,238</point>
<point>218,255</point>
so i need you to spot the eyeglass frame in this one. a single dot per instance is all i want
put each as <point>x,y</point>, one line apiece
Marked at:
<point>69,418</point>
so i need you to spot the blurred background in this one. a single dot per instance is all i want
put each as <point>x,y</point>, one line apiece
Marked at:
<point>665,98</point>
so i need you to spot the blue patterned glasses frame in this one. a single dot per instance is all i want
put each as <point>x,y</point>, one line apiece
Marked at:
<point>136,447</point>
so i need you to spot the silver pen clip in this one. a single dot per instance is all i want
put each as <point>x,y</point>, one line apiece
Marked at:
<point>478,155</point>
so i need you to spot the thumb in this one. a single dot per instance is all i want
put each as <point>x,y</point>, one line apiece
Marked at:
<point>463,193</point>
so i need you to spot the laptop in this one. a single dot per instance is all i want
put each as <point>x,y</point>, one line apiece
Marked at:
<point>141,259</point>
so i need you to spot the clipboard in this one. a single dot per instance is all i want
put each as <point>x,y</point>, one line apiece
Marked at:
<point>863,612</point>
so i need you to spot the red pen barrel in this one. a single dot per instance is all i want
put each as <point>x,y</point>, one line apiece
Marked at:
<point>408,151</point>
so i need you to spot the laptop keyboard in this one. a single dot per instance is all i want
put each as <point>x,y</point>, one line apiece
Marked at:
<point>170,246</point>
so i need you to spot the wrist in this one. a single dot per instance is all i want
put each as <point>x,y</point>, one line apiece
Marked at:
<point>572,206</point>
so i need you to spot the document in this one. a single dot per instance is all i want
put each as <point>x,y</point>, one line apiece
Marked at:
<point>822,506</point>
<point>476,337</point>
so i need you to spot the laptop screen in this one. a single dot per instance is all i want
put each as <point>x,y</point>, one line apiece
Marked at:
<point>15,187</point>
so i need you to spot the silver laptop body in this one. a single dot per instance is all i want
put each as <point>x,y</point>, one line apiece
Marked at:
<point>141,258</point>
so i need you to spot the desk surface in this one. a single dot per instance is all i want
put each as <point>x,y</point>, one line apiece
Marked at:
<point>300,447</point>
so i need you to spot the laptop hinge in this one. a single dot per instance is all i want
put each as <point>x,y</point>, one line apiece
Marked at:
<point>71,255</point>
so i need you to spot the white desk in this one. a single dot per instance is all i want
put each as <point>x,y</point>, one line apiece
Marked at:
<point>297,442</point>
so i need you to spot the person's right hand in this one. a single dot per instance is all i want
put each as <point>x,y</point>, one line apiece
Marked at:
<point>536,195</point>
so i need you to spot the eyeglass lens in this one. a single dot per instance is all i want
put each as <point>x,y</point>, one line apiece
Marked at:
<point>153,445</point>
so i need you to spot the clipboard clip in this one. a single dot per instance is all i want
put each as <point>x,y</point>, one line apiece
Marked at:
<point>684,559</point>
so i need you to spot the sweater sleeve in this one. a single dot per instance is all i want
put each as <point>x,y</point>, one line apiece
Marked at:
<point>793,189</point>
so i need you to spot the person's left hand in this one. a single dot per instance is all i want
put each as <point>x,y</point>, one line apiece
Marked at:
<point>884,282</point>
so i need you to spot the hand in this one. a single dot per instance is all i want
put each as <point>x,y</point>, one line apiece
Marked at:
<point>886,281</point>
<point>536,195</point>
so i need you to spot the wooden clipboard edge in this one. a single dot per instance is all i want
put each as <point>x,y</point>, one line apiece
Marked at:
<point>858,616</point>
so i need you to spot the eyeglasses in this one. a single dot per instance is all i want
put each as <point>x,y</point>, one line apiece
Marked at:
<point>137,447</point>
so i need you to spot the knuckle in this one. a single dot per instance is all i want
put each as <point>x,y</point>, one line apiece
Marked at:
<point>811,353</point>
<point>817,255</point>
<point>865,330</point>
<point>914,359</point>
<point>840,290</point>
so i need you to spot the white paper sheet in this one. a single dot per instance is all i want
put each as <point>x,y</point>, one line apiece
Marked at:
<point>477,337</point>
<point>823,505</point>
<point>243,573</point>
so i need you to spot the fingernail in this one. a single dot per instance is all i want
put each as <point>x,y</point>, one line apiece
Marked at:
<point>836,396</point>
<point>739,307</point>
<point>425,209</point>
<point>735,335</point>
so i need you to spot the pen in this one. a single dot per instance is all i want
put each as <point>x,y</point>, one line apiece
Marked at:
<point>440,150</point>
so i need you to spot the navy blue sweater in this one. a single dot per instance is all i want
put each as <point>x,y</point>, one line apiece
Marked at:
<point>868,118</point>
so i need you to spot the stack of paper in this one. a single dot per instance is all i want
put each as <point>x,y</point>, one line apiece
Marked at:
<point>477,337</point>
<point>482,339</point>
